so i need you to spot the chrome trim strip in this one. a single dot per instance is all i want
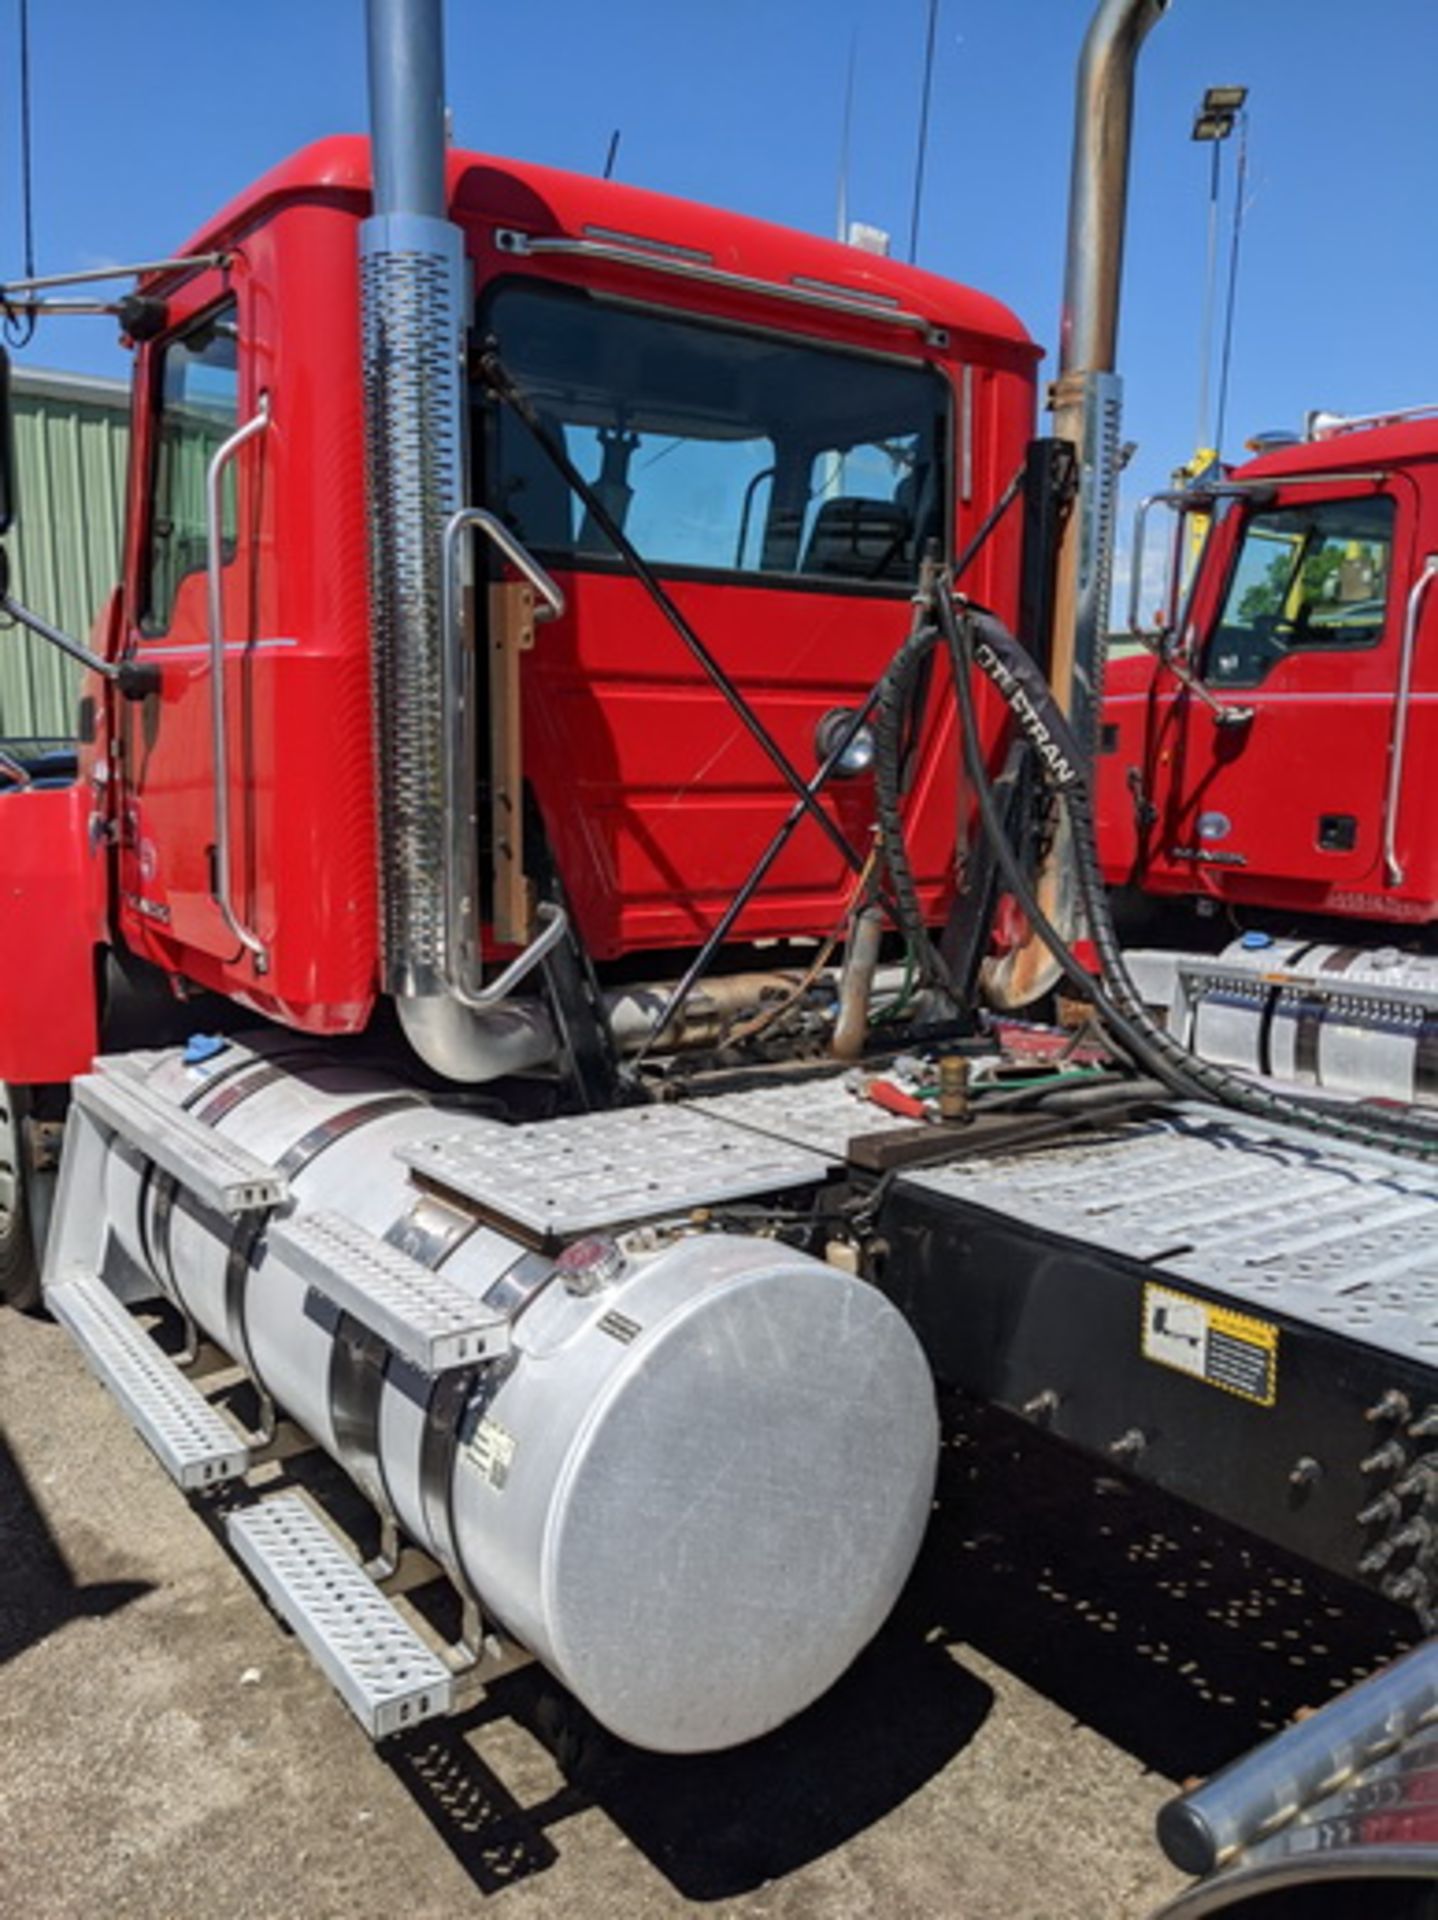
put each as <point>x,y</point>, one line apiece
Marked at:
<point>854,304</point>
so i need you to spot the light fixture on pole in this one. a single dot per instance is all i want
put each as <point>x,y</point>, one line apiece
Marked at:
<point>1219,111</point>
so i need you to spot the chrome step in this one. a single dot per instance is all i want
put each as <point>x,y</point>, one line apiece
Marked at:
<point>194,1443</point>
<point>423,1316</point>
<point>221,1175</point>
<point>385,1674</point>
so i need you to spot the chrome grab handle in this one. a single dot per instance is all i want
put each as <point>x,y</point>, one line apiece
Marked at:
<point>461,870</point>
<point>554,924</point>
<point>214,566</point>
<point>1398,744</point>
<point>518,557</point>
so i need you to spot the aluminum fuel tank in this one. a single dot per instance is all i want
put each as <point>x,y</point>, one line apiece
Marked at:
<point>692,1487</point>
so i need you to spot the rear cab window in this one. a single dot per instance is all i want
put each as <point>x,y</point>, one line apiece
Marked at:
<point>756,456</point>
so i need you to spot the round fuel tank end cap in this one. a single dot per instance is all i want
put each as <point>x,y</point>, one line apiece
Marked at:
<point>743,1499</point>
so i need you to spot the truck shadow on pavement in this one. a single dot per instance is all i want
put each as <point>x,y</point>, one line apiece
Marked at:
<point>1175,1639</point>
<point>721,1824</point>
<point>1179,1639</point>
<point>38,1593</point>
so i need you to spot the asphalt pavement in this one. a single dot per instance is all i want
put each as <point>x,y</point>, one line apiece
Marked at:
<point>1067,1650</point>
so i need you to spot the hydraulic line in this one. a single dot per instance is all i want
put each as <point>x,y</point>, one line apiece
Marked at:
<point>978,639</point>
<point>896,725</point>
<point>894,710</point>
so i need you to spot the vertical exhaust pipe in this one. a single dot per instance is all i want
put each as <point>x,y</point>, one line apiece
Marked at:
<point>1086,403</point>
<point>412,314</point>
<point>414,302</point>
<point>1087,396</point>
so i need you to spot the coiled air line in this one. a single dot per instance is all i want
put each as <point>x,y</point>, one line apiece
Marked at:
<point>975,638</point>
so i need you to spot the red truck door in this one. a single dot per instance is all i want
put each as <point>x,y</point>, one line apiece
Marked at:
<point>191,404</point>
<point>1301,631</point>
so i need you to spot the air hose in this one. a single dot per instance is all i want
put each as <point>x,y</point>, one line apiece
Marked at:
<point>898,719</point>
<point>977,638</point>
<point>896,725</point>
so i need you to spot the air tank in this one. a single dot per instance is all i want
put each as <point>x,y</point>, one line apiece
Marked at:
<point>692,1487</point>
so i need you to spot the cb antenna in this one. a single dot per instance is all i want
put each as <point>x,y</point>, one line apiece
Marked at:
<point>923,146</point>
<point>841,212</point>
<point>612,155</point>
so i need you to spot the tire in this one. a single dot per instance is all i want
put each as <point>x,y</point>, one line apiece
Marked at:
<point>19,1268</point>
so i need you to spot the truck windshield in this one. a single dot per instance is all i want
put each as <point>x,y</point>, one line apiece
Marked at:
<point>715,450</point>
<point>1304,577</point>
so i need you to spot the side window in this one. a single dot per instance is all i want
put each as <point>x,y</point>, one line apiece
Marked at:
<point>197,397</point>
<point>1305,578</point>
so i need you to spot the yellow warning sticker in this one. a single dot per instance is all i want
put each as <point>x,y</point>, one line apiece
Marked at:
<point>1228,1350</point>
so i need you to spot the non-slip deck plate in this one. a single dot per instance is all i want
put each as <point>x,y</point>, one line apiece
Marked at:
<point>385,1674</point>
<point>820,1114</point>
<point>197,1446</point>
<point>220,1174</point>
<point>1342,1240</point>
<point>559,1177</point>
<point>423,1316</point>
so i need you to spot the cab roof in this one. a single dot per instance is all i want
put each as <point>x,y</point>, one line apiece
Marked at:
<point>1363,449</point>
<point>546,200</point>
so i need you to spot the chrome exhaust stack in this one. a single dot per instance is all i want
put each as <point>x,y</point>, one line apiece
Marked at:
<point>1086,402</point>
<point>414,308</point>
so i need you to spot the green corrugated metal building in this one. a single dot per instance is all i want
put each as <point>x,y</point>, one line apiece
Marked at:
<point>71,442</point>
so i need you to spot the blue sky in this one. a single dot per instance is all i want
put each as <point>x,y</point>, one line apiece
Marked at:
<point>148,118</point>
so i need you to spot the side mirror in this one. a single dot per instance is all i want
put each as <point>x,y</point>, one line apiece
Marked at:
<point>7,449</point>
<point>1156,636</point>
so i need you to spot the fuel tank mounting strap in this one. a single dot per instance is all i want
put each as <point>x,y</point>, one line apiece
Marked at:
<point>446,1405</point>
<point>358,1358</point>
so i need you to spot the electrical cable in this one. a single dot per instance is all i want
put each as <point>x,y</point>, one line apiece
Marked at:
<point>767,1017</point>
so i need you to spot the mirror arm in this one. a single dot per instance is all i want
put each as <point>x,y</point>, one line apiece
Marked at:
<point>132,679</point>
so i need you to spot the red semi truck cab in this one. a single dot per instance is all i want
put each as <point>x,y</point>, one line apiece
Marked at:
<point>779,424</point>
<point>1278,752</point>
